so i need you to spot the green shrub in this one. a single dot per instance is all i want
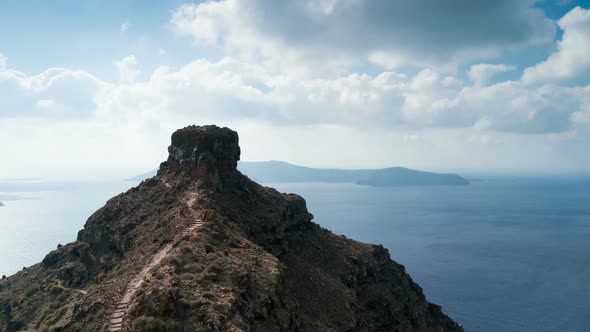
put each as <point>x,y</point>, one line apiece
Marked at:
<point>174,260</point>
<point>61,297</point>
<point>215,267</point>
<point>209,295</point>
<point>91,288</point>
<point>56,289</point>
<point>186,276</point>
<point>31,290</point>
<point>186,250</point>
<point>194,268</point>
<point>48,321</point>
<point>151,324</point>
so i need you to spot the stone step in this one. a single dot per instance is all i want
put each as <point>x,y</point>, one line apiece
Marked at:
<point>116,320</point>
<point>118,314</point>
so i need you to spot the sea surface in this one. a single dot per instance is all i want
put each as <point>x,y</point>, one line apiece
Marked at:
<point>505,253</point>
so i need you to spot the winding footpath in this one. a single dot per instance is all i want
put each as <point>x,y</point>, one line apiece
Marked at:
<point>117,318</point>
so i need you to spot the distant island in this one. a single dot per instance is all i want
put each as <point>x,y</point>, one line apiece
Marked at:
<point>1,205</point>
<point>280,172</point>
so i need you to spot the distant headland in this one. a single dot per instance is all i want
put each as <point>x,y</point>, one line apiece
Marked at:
<point>281,172</point>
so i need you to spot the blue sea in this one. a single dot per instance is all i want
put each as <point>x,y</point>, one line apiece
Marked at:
<point>505,253</point>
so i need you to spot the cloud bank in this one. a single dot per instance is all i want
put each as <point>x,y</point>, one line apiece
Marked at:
<point>388,33</point>
<point>297,70</point>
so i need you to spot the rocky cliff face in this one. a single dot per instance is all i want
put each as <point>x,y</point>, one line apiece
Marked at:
<point>200,247</point>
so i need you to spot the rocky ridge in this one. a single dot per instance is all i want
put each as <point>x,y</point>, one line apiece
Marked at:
<point>201,247</point>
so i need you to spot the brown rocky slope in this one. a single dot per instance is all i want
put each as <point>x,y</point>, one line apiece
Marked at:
<point>200,247</point>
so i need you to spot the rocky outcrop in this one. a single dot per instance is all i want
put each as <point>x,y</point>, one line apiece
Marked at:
<point>208,155</point>
<point>72,263</point>
<point>256,261</point>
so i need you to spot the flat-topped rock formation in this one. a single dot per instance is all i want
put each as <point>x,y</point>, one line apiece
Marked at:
<point>201,247</point>
<point>208,155</point>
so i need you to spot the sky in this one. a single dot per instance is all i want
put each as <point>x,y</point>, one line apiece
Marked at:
<point>89,88</point>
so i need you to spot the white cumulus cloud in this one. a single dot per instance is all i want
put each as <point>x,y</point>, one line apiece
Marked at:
<point>127,67</point>
<point>389,33</point>
<point>28,95</point>
<point>571,60</point>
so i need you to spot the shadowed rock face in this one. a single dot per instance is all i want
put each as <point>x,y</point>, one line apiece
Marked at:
<point>208,154</point>
<point>256,262</point>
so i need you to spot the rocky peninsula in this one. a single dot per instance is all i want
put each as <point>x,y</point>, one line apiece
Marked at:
<point>201,247</point>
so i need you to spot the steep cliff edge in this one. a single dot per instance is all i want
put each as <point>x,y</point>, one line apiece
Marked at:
<point>200,247</point>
